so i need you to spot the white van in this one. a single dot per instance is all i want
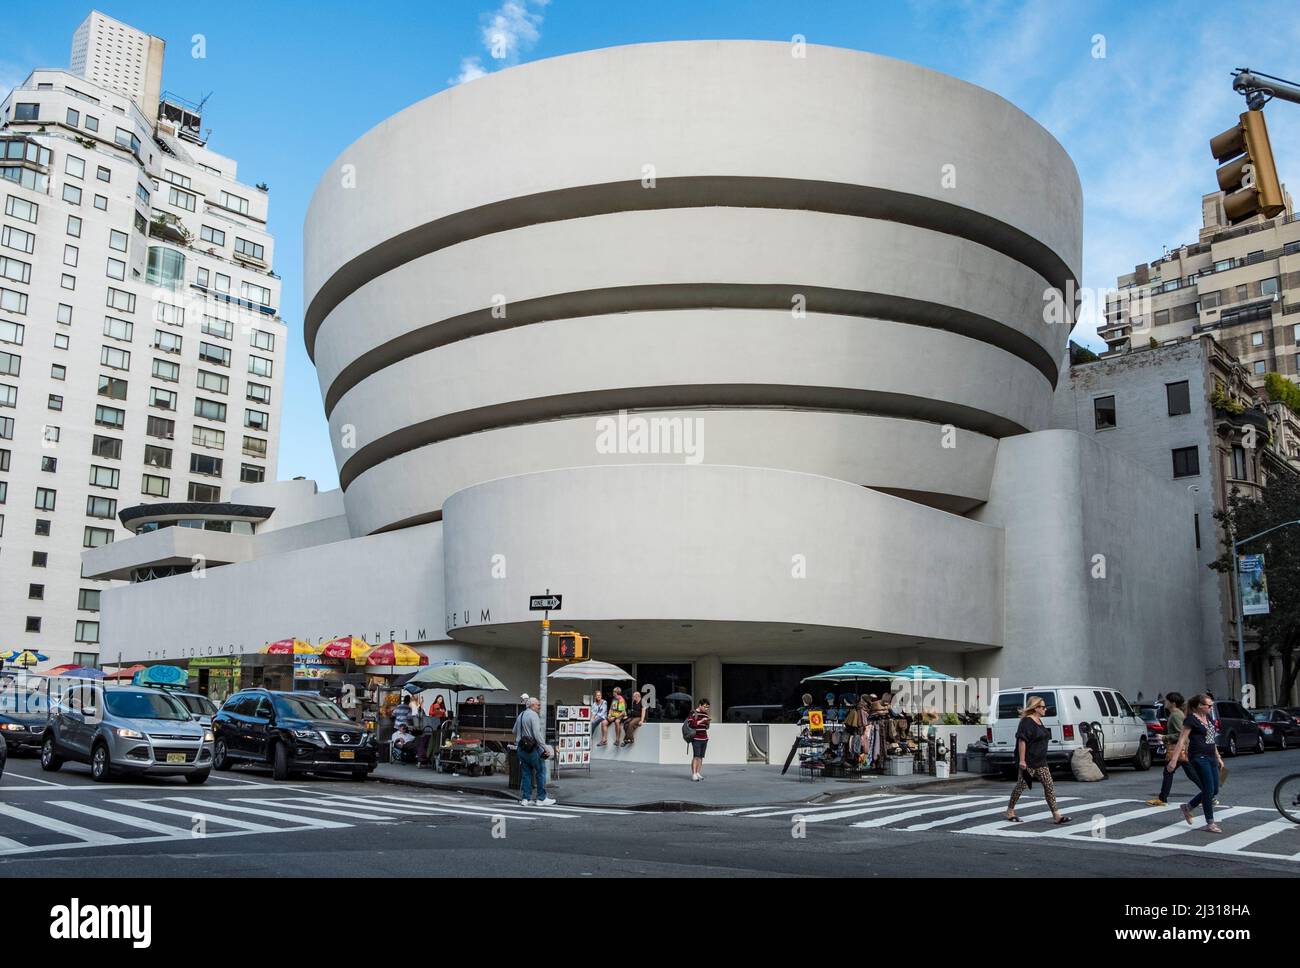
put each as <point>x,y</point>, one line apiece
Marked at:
<point>1122,733</point>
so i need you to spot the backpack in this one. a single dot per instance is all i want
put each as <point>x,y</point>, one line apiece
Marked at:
<point>688,730</point>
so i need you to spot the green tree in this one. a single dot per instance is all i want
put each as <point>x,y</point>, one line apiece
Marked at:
<point>1279,630</point>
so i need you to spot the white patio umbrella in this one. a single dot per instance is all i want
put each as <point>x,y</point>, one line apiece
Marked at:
<point>591,669</point>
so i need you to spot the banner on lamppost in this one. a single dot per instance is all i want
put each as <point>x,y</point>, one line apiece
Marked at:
<point>1254,587</point>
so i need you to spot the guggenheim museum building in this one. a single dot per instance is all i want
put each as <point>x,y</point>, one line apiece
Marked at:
<point>739,347</point>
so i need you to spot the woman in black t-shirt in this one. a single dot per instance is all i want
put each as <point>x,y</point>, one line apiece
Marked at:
<point>1031,755</point>
<point>1200,739</point>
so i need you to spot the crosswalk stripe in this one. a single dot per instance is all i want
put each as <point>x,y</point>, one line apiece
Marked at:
<point>830,808</point>
<point>1141,812</point>
<point>851,812</point>
<point>207,817</point>
<point>1247,837</point>
<point>515,811</point>
<point>958,818</point>
<point>1010,827</point>
<point>1171,829</point>
<point>739,811</point>
<point>300,805</point>
<point>257,812</point>
<point>122,818</point>
<point>83,834</point>
<point>921,811</point>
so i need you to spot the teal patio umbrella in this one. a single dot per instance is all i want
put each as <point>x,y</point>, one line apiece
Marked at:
<point>852,672</point>
<point>919,674</point>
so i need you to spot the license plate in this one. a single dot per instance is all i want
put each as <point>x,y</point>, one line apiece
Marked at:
<point>347,755</point>
<point>175,757</point>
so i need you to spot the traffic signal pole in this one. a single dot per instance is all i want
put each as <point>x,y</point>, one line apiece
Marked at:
<point>1259,88</point>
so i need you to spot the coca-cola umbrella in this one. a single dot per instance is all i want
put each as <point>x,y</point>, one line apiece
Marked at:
<point>346,647</point>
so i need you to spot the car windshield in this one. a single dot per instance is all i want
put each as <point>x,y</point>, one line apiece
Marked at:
<point>144,705</point>
<point>1149,714</point>
<point>1263,715</point>
<point>308,707</point>
<point>20,698</point>
<point>198,705</point>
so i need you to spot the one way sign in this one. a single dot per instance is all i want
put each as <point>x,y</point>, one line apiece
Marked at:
<point>544,603</point>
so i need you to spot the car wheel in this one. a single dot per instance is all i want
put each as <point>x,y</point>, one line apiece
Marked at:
<point>360,775</point>
<point>1282,743</point>
<point>195,779</point>
<point>1232,744</point>
<point>221,756</point>
<point>50,758</point>
<point>1259,744</point>
<point>101,767</point>
<point>280,762</point>
<point>1142,761</point>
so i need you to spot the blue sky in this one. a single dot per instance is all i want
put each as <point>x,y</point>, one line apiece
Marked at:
<point>293,83</point>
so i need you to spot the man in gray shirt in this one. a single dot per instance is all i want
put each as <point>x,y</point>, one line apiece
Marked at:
<point>530,742</point>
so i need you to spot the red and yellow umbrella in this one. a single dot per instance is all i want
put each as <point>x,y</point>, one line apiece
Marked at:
<point>346,647</point>
<point>395,654</point>
<point>290,647</point>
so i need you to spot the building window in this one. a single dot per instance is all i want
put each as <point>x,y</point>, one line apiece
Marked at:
<point>233,202</point>
<point>11,332</point>
<point>209,409</point>
<point>96,537</point>
<point>87,632</point>
<point>205,493</point>
<point>251,474</point>
<point>157,456</point>
<point>11,364</point>
<point>40,559</point>
<point>21,208</point>
<point>1178,397</point>
<point>36,592</point>
<point>74,227</point>
<point>262,340</point>
<point>162,399</point>
<point>259,366</point>
<point>120,300</point>
<point>116,269</point>
<point>1240,465</point>
<point>1187,462</point>
<point>115,328</point>
<point>250,249</point>
<point>165,268</point>
<point>115,358</point>
<point>16,270</point>
<point>208,437</point>
<point>104,476</point>
<point>257,420</point>
<point>211,353</point>
<point>14,302</point>
<point>167,370</point>
<point>72,194</point>
<point>33,623</point>
<point>1256,339</point>
<point>110,417</point>
<point>88,600</point>
<point>61,341</point>
<point>166,342</point>
<point>208,234</point>
<point>101,203</point>
<point>49,465</point>
<point>1103,413</point>
<point>107,447</point>
<point>116,240</point>
<point>102,173</point>
<point>155,486</point>
<point>54,402</point>
<point>1260,367</point>
<point>169,314</point>
<point>18,239</point>
<point>161,427</point>
<point>1268,287</point>
<point>216,382</point>
<point>45,498</point>
<point>258,393</point>
<point>112,387</point>
<point>100,507</point>
<point>206,465</point>
<point>181,199</point>
<point>254,447</point>
<point>74,166</point>
<point>64,315</point>
<point>27,111</point>
<point>257,294</point>
<point>220,328</point>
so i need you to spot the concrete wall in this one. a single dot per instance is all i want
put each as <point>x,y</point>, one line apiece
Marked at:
<point>1063,500</point>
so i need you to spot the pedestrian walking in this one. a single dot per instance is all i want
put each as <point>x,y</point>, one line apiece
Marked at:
<point>1174,703</point>
<point>1198,739</point>
<point>530,746</point>
<point>1031,755</point>
<point>699,722</point>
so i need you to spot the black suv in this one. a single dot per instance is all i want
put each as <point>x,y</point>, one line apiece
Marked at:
<point>1237,728</point>
<point>291,732</point>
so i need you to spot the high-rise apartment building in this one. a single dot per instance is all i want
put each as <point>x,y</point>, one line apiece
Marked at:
<point>141,353</point>
<point>114,55</point>
<point>1240,284</point>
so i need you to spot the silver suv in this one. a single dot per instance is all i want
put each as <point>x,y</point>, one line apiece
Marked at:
<point>126,729</point>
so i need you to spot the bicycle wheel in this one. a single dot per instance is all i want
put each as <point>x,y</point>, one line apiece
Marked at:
<point>1286,797</point>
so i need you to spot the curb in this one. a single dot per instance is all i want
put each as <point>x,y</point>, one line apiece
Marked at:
<point>689,806</point>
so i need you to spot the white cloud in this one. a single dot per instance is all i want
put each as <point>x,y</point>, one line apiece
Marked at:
<point>507,32</point>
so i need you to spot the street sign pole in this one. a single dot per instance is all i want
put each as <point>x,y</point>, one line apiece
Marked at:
<point>544,604</point>
<point>546,651</point>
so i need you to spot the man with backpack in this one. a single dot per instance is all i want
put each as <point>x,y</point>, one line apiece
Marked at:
<point>696,731</point>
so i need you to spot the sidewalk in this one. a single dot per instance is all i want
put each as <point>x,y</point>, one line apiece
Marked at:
<point>640,786</point>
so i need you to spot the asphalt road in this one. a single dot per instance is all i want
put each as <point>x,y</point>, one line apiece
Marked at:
<point>244,824</point>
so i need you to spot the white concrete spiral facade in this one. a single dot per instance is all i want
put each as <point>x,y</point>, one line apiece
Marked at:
<point>918,219</point>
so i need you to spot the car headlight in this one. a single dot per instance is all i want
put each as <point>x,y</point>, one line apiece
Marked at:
<point>128,733</point>
<point>305,733</point>
<point>12,727</point>
<point>207,736</point>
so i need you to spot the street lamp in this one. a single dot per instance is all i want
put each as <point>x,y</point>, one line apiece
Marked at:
<point>1236,594</point>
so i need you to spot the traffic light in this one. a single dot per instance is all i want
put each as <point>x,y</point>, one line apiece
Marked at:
<point>571,646</point>
<point>1250,177</point>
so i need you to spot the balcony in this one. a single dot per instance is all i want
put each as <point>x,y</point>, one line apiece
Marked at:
<point>169,228</point>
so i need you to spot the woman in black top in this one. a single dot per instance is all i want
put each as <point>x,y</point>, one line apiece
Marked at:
<point>1031,755</point>
<point>1200,739</point>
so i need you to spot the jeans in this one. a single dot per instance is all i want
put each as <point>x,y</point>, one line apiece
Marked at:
<point>1168,780</point>
<point>1207,773</point>
<point>532,765</point>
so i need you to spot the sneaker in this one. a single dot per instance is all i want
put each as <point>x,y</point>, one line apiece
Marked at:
<point>695,778</point>
<point>548,802</point>
<point>1157,802</point>
<point>528,803</point>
